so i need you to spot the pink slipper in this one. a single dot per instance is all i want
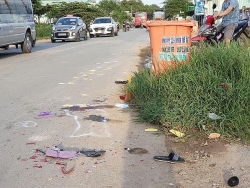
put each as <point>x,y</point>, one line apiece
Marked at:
<point>44,115</point>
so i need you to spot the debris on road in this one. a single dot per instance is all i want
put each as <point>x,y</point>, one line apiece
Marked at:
<point>151,130</point>
<point>171,158</point>
<point>136,151</point>
<point>97,118</point>
<point>91,152</point>
<point>44,115</point>
<point>60,154</point>
<point>121,105</point>
<point>121,82</point>
<point>233,181</point>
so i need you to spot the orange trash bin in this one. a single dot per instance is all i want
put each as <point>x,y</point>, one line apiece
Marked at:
<point>170,43</point>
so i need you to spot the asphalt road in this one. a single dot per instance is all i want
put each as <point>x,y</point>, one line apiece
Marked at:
<point>54,76</point>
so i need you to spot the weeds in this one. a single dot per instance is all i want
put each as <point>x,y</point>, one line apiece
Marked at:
<point>216,80</point>
<point>43,31</point>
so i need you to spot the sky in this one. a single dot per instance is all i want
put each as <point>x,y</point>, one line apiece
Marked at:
<point>150,2</point>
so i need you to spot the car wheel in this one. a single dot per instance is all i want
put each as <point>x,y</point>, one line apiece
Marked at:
<point>26,45</point>
<point>112,33</point>
<point>78,37</point>
<point>91,35</point>
<point>6,47</point>
<point>34,43</point>
<point>116,33</point>
<point>97,36</point>
<point>53,41</point>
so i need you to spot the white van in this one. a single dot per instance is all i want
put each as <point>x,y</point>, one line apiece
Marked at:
<point>17,24</point>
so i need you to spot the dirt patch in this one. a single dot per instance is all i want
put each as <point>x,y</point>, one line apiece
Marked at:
<point>144,52</point>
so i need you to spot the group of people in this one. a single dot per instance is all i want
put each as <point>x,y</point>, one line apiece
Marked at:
<point>230,17</point>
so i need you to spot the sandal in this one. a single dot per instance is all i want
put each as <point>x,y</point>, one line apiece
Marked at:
<point>171,158</point>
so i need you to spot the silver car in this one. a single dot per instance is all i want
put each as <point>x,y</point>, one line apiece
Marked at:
<point>69,28</point>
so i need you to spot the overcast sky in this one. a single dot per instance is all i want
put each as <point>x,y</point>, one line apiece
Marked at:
<point>150,2</point>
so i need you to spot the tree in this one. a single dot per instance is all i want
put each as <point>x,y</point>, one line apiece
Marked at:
<point>38,8</point>
<point>108,6</point>
<point>174,7</point>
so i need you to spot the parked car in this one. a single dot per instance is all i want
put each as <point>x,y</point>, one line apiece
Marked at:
<point>103,26</point>
<point>69,28</point>
<point>17,26</point>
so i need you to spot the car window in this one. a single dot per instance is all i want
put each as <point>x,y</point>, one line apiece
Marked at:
<point>67,21</point>
<point>102,20</point>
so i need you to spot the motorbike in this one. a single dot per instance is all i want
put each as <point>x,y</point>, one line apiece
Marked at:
<point>208,33</point>
<point>124,27</point>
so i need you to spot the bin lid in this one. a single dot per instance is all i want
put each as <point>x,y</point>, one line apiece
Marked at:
<point>170,23</point>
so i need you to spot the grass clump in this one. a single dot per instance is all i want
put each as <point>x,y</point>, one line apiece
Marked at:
<point>215,80</point>
<point>43,31</point>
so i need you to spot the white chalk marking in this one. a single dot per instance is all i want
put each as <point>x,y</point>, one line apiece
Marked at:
<point>26,124</point>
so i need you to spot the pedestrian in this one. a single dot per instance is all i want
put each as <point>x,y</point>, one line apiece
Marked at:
<point>230,16</point>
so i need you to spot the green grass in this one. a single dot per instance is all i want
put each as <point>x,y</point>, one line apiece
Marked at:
<point>43,31</point>
<point>183,97</point>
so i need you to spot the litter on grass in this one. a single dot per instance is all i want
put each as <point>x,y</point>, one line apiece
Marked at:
<point>213,116</point>
<point>214,135</point>
<point>177,133</point>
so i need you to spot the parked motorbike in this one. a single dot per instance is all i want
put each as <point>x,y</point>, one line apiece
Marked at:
<point>124,27</point>
<point>208,33</point>
<point>128,26</point>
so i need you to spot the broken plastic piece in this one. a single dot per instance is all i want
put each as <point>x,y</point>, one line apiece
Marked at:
<point>213,116</point>
<point>92,153</point>
<point>151,130</point>
<point>214,135</point>
<point>97,118</point>
<point>177,133</point>
<point>122,97</point>
<point>61,154</point>
<point>121,105</point>
<point>171,158</point>
<point>44,115</point>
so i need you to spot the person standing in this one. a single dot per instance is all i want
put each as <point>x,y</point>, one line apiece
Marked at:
<point>230,17</point>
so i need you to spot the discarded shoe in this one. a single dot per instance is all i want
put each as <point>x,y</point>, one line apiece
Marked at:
<point>171,158</point>
<point>44,115</point>
<point>92,153</point>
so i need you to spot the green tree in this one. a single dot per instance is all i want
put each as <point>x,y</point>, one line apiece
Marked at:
<point>38,8</point>
<point>107,6</point>
<point>174,7</point>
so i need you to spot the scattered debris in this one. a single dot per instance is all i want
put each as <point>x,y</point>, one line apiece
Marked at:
<point>37,166</point>
<point>60,154</point>
<point>100,161</point>
<point>151,130</point>
<point>171,158</point>
<point>87,107</point>
<point>30,143</point>
<point>92,153</point>
<point>122,97</point>
<point>128,96</point>
<point>68,167</point>
<point>97,118</point>
<point>136,151</point>
<point>213,116</point>
<point>45,115</point>
<point>121,82</point>
<point>177,133</point>
<point>233,181</point>
<point>121,105</point>
<point>214,135</point>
